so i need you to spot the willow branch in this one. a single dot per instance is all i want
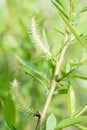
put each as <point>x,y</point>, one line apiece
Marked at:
<point>52,88</point>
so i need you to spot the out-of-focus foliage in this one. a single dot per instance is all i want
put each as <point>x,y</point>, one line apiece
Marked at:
<point>15,16</point>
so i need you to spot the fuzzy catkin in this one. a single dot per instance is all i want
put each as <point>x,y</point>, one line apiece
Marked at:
<point>20,102</point>
<point>38,41</point>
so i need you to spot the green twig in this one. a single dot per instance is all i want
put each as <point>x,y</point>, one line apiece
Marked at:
<point>52,89</point>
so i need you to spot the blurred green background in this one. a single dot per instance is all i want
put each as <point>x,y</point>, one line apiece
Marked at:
<point>14,40</point>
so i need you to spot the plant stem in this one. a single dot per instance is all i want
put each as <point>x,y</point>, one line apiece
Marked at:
<point>54,82</point>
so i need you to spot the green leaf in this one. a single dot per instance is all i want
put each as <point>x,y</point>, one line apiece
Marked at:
<point>59,32</point>
<point>84,9</point>
<point>71,100</point>
<point>62,91</point>
<point>13,128</point>
<point>65,75</point>
<point>68,67</point>
<point>26,63</point>
<point>63,72</point>
<point>75,62</point>
<point>72,30</point>
<point>34,73</point>
<point>71,121</point>
<point>52,66</point>
<point>35,70</point>
<point>60,3</point>
<point>21,60</point>
<point>82,111</point>
<point>9,111</point>
<point>81,127</point>
<point>51,122</point>
<point>80,77</point>
<point>57,5</point>
<point>1,103</point>
<point>65,18</point>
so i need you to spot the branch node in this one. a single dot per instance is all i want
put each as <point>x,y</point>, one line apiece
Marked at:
<point>56,78</point>
<point>37,114</point>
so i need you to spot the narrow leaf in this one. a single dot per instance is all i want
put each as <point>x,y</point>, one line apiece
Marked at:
<point>71,121</point>
<point>68,67</point>
<point>80,127</point>
<point>37,77</point>
<point>63,72</point>
<point>51,122</point>
<point>84,9</point>
<point>59,32</point>
<point>36,70</point>
<point>82,111</point>
<point>72,30</point>
<point>80,77</point>
<point>9,111</point>
<point>76,64</point>
<point>30,67</point>
<point>65,18</point>
<point>33,71</point>
<point>26,63</point>
<point>60,3</point>
<point>21,60</point>
<point>60,10</point>
<point>65,75</point>
<point>71,100</point>
<point>62,91</point>
<point>13,128</point>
